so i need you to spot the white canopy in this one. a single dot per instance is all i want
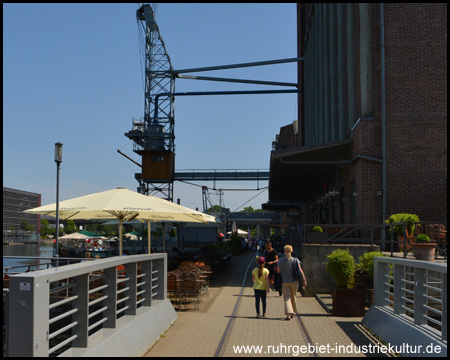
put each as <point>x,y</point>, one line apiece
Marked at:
<point>124,205</point>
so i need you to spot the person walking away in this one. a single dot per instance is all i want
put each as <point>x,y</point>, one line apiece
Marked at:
<point>290,285</point>
<point>260,278</point>
<point>271,257</point>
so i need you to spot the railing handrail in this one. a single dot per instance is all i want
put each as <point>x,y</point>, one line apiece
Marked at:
<point>413,289</point>
<point>426,265</point>
<point>64,298</point>
<point>67,271</point>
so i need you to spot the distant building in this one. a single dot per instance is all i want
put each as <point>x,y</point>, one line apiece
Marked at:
<point>371,136</point>
<point>14,203</point>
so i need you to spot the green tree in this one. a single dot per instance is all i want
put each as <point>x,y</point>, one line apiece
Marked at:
<point>250,209</point>
<point>214,208</point>
<point>25,226</point>
<point>45,227</point>
<point>70,227</point>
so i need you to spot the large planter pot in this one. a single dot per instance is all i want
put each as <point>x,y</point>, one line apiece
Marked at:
<point>348,302</point>
<point>424,251</point>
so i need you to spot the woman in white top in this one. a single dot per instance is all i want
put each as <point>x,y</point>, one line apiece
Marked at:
<point>290,285</point>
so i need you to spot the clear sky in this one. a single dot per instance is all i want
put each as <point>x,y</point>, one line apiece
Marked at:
<point>72,73</point>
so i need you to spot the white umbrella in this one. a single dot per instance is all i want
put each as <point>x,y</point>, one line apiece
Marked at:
<point>124,205</point>
<point>74,236</point>
<point>239,231</point>
<point>131,236</point>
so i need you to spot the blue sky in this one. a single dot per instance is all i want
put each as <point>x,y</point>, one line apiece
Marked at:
<point>72,74</point>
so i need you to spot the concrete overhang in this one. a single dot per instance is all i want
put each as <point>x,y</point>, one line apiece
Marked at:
<point>331,153</point>
<point>298,174</point>
<point>282,205</point>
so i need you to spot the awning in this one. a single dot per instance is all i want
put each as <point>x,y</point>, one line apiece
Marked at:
<point>338,152</point>
<point>298,174</point>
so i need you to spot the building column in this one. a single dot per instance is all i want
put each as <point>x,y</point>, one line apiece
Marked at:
<point>365,60</point>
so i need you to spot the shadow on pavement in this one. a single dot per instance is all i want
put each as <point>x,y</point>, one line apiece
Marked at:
<point>362,338</point>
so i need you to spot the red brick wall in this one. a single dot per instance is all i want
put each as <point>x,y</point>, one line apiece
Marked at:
<point>416,116</point>
<point>416,107</point>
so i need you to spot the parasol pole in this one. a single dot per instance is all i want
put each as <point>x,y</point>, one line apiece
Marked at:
<point>120,236</point>
<point>149,237</point>
<point>164,236</point>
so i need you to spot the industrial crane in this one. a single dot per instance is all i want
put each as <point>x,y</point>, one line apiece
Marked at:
<point>153,136</point>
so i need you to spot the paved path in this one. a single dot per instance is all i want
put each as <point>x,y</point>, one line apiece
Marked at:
<point>200,333</point>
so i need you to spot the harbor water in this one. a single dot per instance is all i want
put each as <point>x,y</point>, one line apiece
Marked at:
<point>44,250</point>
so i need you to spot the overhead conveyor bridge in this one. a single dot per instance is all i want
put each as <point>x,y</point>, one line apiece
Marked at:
<point>216,175</point>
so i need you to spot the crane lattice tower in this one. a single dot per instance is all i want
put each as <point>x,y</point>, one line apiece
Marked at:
<point>153,137</point>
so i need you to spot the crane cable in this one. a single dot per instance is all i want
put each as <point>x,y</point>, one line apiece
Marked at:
<point>247,201</point>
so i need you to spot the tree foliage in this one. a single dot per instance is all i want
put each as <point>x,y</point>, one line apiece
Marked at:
<point>70,227</point>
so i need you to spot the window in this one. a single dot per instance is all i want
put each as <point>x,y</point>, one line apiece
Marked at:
<point>157,157</point>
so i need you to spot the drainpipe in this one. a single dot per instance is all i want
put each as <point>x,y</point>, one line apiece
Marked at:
<point>383,109</point>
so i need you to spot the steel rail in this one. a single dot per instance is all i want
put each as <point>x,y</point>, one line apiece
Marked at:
<point>227,332</point>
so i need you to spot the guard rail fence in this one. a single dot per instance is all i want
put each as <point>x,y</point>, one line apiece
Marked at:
<point>53,310</point>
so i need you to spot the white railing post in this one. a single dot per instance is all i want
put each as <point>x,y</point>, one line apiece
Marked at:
<point>132,284</point>
<point>419,299</point>
<point>82,304</point>
<point>444,307</point>
<point>147,270</point>
<point>398,292</point>
<point>381,270</point>
<point>111,293</point>
<point>28,313</point>
<point>159,276</point>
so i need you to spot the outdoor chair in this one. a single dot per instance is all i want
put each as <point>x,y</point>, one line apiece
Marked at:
<point>191,289</point>
<point>174,282</point>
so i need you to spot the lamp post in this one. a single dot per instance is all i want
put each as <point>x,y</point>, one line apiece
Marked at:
<point>58,161</point>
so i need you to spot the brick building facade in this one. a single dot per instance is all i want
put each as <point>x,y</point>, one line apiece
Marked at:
<point>344,170</point>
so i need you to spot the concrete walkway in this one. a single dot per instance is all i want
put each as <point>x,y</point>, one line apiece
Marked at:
<point>201,333</point>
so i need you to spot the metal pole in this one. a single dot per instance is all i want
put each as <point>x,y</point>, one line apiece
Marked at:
<point>120,237</point>
<point>57,213</point>
<point>149,237</point>
<point>233,66</point>
<point>383,115</point>
<point>207,93</point>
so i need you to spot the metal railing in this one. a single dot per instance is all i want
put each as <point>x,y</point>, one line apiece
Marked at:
<point>414,289</point>
<point>55,309</point>
<point>40,263</point>
<point>373,234</point>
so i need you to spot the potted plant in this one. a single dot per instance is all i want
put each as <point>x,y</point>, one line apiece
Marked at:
<point>409,220</point>
<point>235,243</point>
<point>364,274</point>
<point>317,234</point>
<point>424,248</point>
<point>347,301</point>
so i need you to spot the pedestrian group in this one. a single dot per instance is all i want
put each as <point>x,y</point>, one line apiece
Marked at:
<point>269,270</point>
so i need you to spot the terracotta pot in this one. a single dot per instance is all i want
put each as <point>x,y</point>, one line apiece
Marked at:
<point>348,302</point>
<point>424,251</point>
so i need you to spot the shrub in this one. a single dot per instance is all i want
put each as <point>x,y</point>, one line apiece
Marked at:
<point>366,261</point>
<point>317,229</point>
<point>423,238</point>
<point>409,219</point>
<point>235,241</point>
<point>341,266</point>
